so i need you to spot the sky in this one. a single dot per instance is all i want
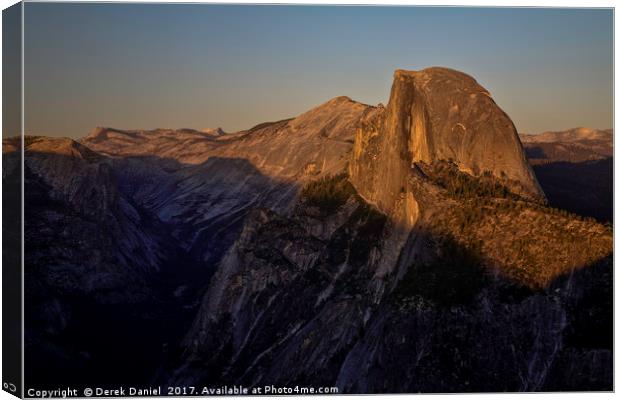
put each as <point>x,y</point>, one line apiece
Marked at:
<point>144,66</point>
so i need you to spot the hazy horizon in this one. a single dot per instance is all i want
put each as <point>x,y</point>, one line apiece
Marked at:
<point>145,66</point>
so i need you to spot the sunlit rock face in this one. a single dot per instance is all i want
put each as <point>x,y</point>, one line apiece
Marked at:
<point>254,258</point>
<point>412,284</point>
<point>312,144</point>
<point>436,114</point>
<point>203,183</point>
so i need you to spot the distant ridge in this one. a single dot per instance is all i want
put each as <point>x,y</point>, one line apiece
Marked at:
<point>570,135</point>
<point>572,145</point>
<point>405,248</point>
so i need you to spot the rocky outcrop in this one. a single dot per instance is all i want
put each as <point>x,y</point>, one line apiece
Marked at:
<point>282,293</point>
<point>254,257</point>
<point>460,252</point>
<point>436,114</point>
<point>295,301</point>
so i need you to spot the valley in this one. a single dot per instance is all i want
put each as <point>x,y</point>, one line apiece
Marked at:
<point>421,246</point>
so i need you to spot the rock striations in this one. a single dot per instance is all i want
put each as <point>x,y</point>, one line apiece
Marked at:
<point>376,249</point>
<point>436,114</point>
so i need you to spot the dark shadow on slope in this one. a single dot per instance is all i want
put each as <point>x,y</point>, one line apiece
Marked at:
<point>112,331</point>
<point>585,362</point>
<point>291,296</point>
<point>96,314</point>
<point>535,152</point>
<point>590,290</point>
<point>572,152</point>
<point>482,326</point>
<point>454,276</point>
<point>452,326</point>
<point>76,338</point>
<point>584,188</point>
<point>506,338</point>
<point>203,204</point>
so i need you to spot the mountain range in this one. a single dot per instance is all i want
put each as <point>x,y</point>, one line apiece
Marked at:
<point>576,158</point>
<point>420,246</point>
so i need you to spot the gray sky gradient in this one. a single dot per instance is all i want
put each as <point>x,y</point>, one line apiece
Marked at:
<point>198,66</point>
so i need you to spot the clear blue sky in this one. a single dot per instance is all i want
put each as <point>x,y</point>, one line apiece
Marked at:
<point>197,66</point>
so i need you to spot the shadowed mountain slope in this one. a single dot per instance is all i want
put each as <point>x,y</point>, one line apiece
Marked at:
<point>314,297</point>
<point>577,158</point>
<point>574,145</point>
<point>378,249</point>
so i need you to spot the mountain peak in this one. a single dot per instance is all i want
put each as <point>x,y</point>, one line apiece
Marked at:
<point>430,71</point>
<point>338,102</point>
<point>340,99</point>
<point>437,114</point>
<point>443,76</point>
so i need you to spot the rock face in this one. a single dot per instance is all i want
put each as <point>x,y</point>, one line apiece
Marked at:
<point>296,301</point>
<point>203,183</point>
<point>312,144</point>
<point>93,257</point>
<point>395,249</point>
<point>433,115</point>
<point>417,278</point>
<point>129,225</point>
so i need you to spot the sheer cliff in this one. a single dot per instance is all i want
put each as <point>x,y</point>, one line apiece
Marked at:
<point>375,249</point>
<point>392,278</point>
<point>436,114</point>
